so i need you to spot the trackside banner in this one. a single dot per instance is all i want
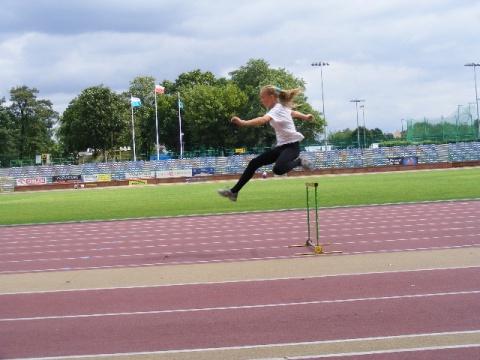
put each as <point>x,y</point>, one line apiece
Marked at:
<point>31,181</point>
<point>97,177</point>
<point>66,178</point>
<point>403,160</point>
<point>139,175</point>
<point>173,173</point>
<point>137,182</point>
<point>203,171</point>
<point>410,160</point>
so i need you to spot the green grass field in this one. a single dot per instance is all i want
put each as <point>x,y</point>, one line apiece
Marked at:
<point>258,195</point>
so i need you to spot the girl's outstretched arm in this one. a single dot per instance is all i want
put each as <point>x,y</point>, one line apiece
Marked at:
<point>300,115</point>
<point>254,122</point>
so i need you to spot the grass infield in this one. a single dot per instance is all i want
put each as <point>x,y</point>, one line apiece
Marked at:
<point>257,195</point>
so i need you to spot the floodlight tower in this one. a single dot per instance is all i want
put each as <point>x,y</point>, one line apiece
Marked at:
<point>474,65</point>
<point>364,127</point>
<point>322,64</point>
<point>356,101</point>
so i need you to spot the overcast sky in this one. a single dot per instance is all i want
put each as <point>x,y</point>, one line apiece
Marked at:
<point>405,58</point>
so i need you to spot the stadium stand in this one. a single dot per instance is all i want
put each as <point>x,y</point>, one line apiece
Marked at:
<point>236,163</point>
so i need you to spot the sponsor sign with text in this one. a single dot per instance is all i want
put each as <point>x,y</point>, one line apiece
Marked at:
<point>162,174</point>
<point>403,160</point>
<point>139,174</point>
<point>203,171</point>
<point>66,178</point>
<point>90,178</point>
<point>31,181</point>
<point>137,182</point>
<point>104,177</point>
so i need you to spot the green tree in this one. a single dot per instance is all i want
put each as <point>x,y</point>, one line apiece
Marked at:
<point>185,87</point>
<point>143,87</point>
<point>349,138</point>
<point>376,135</point>
<point>96,119</point>
<point>209,103</point>
<point>33,122</point>
<point>167,109</point>
<point>8,149</point>
<point>195,77</point>
<point>250,78</point>
<point>207,117</point>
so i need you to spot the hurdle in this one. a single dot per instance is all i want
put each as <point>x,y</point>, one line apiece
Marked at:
<point>317,247</point>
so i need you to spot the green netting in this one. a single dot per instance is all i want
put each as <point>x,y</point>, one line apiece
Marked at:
<point>460,126</point>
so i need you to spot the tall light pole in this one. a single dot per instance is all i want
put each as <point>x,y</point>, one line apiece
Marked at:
<point>458,121</point>
<point>364,128</point>
<point>474,65</point>
<point>322,64</point>
<point>356,101</point>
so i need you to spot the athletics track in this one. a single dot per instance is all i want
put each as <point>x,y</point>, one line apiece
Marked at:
<point>228,287</point>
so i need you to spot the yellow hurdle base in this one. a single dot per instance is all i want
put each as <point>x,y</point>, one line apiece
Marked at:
<point>317,249</point>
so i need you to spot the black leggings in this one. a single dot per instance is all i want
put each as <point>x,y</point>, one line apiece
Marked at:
<point>285,158</point>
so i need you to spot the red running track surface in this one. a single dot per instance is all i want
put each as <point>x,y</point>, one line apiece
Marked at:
<point>237,237</point>
<point>172,320</point>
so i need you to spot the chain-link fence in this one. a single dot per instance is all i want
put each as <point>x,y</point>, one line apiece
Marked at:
<point>459,126</point>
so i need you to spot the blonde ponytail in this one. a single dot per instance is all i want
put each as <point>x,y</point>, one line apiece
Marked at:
<point>285,97</point>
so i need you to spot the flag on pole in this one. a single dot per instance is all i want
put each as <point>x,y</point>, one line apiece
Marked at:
<point>135,101</point>
<point>180,106</point>
<point>158,89</point>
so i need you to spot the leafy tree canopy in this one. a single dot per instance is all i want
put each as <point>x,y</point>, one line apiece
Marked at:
<point>100,119</point>
<point>96,119</point>
<point>33,122</point>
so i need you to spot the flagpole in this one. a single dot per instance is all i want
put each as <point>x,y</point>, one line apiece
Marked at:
<point>133,133</point>
<point>180,126</point>
<point>156,122</point>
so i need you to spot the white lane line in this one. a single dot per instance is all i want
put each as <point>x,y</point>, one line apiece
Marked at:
<point>390,351</point>
<point>392,272</point>
<point>402,338</point>
<point>244,307</point>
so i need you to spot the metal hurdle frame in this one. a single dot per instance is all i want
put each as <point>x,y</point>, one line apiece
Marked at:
<point>318,248</point>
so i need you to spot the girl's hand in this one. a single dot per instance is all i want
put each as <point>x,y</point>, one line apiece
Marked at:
<point>309,117</point>
<point>236,120</point>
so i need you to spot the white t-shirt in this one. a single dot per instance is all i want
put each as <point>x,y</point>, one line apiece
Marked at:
<point>282,123</point>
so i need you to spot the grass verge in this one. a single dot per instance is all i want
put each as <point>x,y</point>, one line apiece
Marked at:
<point>258,195</point>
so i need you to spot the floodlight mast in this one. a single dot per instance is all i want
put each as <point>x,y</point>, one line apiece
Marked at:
<point>322,64</point>
<point>474,65</point>
<point>364,127</point>
<point>356,101</point>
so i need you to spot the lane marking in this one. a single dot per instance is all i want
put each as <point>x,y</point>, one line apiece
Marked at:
<point>225,350</point>
<point>243,307</point>
<point>241,281</point>
<point>392,351</point>
<point>224,260</point>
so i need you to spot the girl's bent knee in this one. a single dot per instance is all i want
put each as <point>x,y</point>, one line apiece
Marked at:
<point>279,170</point>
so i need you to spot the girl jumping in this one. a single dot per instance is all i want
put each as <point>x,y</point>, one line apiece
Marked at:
<point>286,153</point>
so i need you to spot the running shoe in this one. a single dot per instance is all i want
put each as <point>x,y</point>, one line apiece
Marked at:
<point>228,194</point>
<point>306,164</point>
